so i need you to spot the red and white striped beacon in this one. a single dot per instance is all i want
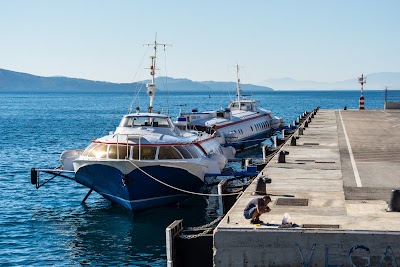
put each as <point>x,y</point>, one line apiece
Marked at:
<point>362,80</point>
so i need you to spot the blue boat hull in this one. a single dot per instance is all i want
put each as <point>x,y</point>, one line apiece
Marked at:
<point>137,191</point>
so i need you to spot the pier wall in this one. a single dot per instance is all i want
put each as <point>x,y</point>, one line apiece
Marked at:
<point>305,248</point>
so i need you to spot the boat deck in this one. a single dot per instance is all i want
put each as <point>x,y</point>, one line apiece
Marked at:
<point>335,184</point>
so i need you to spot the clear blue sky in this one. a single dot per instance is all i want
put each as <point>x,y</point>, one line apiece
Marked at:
<point>103,40</point>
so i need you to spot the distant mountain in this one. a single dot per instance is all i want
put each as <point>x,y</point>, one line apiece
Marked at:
<point>231,86</point>
<point>375,81</point>
<point>17,81</point>
<point>186,84</point>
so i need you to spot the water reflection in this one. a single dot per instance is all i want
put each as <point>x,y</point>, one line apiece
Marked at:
<point>105,235</point>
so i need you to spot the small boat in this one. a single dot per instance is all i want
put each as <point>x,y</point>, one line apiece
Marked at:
<point>241,125</point>
<point>147,161</point>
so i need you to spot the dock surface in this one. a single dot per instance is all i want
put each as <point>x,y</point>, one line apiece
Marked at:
<point>335,185</point>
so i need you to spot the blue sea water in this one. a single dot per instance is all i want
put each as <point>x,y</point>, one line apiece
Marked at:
<point>49,226</point>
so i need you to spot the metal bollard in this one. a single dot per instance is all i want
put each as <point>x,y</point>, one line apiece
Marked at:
<point>248,161</point>
<point>293,141</point>
<point>261,185</point>
<point>306,124</point>
<point>263,152</point>
<point>394,204</point>
<point>301,131</point>
<point>282,156</point>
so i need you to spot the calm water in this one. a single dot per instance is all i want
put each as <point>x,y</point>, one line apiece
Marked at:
<point>49,227</point>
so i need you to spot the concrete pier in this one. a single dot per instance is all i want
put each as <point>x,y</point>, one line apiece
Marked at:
<point>335,184</point>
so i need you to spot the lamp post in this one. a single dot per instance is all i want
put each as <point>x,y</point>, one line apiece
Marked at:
<point>362,80</point>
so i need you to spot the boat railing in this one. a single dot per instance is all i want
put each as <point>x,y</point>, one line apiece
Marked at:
<point>129,137</point>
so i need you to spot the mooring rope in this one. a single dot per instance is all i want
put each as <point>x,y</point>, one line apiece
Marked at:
<point>182,190</point>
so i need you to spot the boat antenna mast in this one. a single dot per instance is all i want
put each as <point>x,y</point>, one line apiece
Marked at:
<point>238,88</point>
<point>151,87</point>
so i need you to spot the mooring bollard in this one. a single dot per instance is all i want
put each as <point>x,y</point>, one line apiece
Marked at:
<point>282,156</point>
<point>263,151</point>
<point>306,124</point>
<point>221,189</point>
<point>301,131</point>
<point>293,141</point>
<point>248,161</point>
<point>394,204</point>
<point>261,185</point>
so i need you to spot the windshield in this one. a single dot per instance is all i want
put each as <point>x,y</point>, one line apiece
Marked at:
<point>138,121</point>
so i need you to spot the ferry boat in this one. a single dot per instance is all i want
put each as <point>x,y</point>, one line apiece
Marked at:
<point>241,125</point>
<point>147,161</point>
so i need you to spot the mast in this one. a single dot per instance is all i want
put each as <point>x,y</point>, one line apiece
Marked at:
<point>151,87</point>
<point>238,88</point>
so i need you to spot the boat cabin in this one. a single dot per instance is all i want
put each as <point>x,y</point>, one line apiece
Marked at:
<point>157,123</point>
<point>245,105</point>
<point>97,150</point>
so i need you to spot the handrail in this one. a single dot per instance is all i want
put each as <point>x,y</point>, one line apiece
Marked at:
<point>139,136</point>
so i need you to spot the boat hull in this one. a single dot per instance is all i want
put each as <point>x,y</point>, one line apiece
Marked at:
<point>136,190</point>
<point>249,142</point>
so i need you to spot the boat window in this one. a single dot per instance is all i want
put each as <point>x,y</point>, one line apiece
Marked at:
<point>128,122</point>
<point>220,114</point>
<point>135,152</point>
<point>251,128</point>
<point>88,149</point>
<point>233,105</point>
<point>168,152</point>
<point>147,152</point>
<point>118,152</point>
<point>184,152</point>
<point>161,122</point>
<point>194,151</point>
<point>99,152</point>
<point>148,121</point>
<point>141,121</point>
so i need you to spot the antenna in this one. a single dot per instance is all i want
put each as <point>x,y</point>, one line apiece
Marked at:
<point>151,87</point>
<point>238,88</point>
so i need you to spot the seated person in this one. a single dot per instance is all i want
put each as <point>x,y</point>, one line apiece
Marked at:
<point>255,208</point>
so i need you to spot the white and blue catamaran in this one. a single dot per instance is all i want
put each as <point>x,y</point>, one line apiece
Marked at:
<point>241,125</point>
<point>146,162</point>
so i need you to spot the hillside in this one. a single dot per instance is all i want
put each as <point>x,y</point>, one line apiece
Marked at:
<point>17,81</point>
